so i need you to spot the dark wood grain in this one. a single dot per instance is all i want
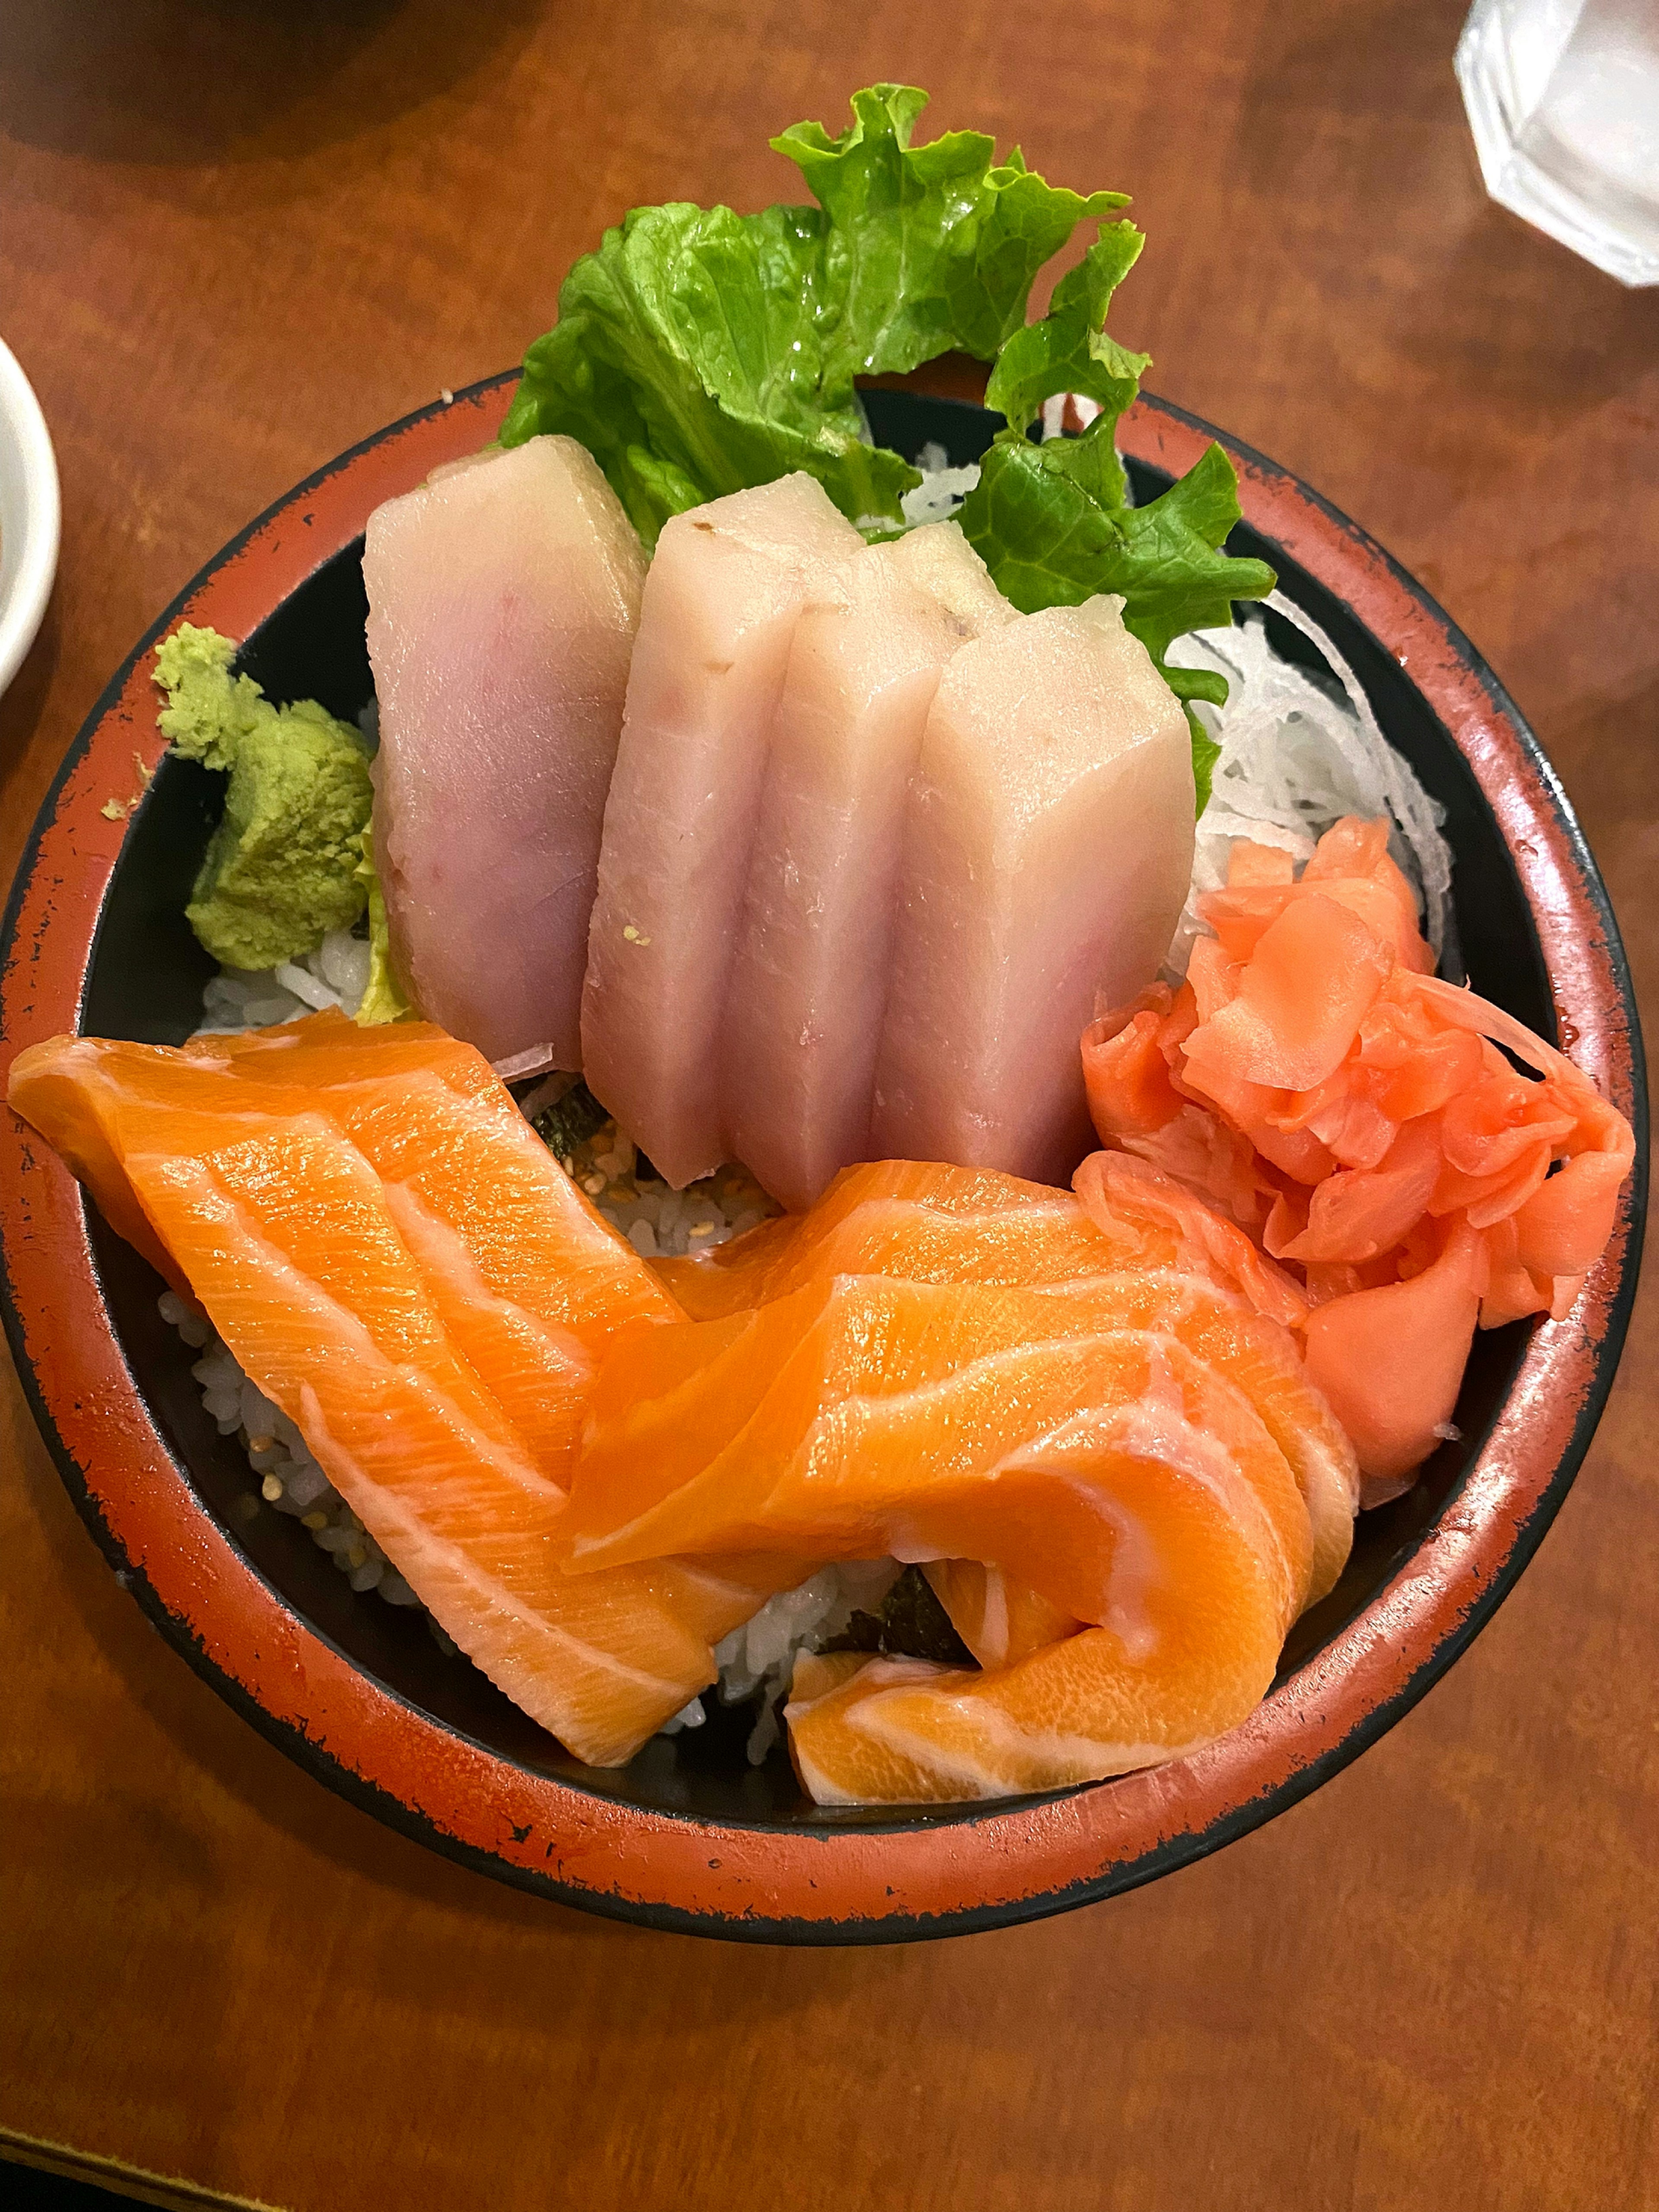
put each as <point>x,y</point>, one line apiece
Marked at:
<point>235,235</point>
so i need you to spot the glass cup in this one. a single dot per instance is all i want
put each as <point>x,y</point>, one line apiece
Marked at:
<point>1563,97</point>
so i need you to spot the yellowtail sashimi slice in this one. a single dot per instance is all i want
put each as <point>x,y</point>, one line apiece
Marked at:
<point>722,597</point>
<point>503,597</point>
<point>814,952</point>
<point>1047,848</point>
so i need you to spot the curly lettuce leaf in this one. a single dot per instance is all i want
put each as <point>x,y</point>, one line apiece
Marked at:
<point>1069,350</point>
<point>1039,523</point>
<point>686,358</point>
<point>1052,522</point>
<point>929,249</point>
<point>698,351</point>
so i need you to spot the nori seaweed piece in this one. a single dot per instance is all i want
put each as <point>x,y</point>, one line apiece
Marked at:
<point>571,1121</point>
<point>911,1623</point>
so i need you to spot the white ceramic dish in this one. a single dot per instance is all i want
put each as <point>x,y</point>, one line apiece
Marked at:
<point>29,515</point>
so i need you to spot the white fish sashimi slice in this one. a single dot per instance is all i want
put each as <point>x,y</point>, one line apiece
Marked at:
<point>809,981</point>
<point>721,601</point>
<point>1048,842</point>
<point>504,598</point>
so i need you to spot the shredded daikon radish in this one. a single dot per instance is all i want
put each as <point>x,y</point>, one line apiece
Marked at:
<point>1296,755</point>
<point>942,489</point>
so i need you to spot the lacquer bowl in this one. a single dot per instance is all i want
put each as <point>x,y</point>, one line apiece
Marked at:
<point>688,1836</point>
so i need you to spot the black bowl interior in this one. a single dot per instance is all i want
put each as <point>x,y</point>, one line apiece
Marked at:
<point>145,982</point>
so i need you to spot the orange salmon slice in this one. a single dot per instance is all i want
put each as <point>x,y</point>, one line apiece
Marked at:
<point>920,1222</point>
<point>915,1219</point>
<point>426,1299</point>
<point>865,1417</point>
<point>1105,1469</point>
<point>999,1619</point>
<point>904,1732</point>
<point>532,1281</point>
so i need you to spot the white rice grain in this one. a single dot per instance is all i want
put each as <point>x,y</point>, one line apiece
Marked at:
<point>760,1655</point>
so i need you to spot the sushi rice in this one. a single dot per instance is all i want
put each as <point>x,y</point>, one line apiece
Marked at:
<point>1297,754</point>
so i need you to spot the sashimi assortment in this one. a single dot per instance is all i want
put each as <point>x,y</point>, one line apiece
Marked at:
<point>862,861</point>
<point>723,788</point>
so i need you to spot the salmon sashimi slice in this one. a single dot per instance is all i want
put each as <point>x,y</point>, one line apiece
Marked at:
<point>915,1219</point>
<point>922,1223</point>
<point>707,1287</point>
<point>931,1223</point>
<point>1151,1220</point>
<point>1352,1113</point>
<point>903,1732</point>
<point>474,1382</point>
<point>997,1618</point>
<point>1190,1648</point>
<point>437,1122</point>
<point>56,1087</point>
<point>865,1417</point>
<point>297,1262</point>
<point>1261,1362</point>
<point>533,1279</point>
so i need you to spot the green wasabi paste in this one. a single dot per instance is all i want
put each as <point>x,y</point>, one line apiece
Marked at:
<point>285,863</point>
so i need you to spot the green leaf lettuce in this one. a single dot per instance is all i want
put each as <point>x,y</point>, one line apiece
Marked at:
<point>699,351</point>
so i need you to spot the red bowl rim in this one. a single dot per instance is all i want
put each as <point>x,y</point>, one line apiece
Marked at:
<point>918,1876</point>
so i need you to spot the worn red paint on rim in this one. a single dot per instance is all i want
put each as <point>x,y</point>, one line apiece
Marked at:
<point>827,1883</point>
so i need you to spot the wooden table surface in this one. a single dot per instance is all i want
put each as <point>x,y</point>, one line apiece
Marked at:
<point>236,235</point>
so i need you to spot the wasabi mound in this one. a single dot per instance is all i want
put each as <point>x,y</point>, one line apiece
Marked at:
<point>284,865</point>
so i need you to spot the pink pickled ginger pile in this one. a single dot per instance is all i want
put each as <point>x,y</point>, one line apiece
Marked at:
<point>1314,1079</point>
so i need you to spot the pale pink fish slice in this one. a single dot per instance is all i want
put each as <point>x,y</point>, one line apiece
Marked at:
<point>503,597</point>
<point>724,593</point>
<point>809,981</point>
<point>1049,844</point>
